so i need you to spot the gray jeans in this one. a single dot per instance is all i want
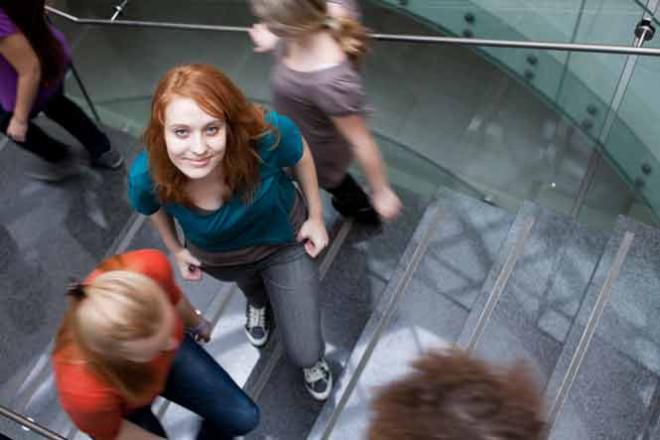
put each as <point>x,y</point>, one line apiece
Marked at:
<point>288,280</point>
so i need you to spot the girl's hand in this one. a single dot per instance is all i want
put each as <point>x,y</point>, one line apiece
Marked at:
<point>313,233</point>
<point>202,331</point>
<point>386,203</point>
<point>17,129</point>
<point>189,266</point>
<point>263,39</point>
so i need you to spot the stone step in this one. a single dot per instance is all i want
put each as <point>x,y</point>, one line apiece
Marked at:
<point>425,305</point>
<point>608,378</point>
<point>52,232</point>
<point>538,304</point>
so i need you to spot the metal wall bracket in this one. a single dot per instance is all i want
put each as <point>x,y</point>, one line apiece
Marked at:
<point>119,10</point>
<point>645,29</point>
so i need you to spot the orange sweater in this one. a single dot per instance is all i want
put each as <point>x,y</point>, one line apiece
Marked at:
<point>96,407</point>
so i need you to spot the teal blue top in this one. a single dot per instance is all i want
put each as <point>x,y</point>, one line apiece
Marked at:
<point>236,225</point>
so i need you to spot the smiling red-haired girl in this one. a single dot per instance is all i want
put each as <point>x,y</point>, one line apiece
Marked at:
<point>216,163</point>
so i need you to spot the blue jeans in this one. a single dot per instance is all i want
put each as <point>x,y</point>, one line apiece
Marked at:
<point>197,382</point>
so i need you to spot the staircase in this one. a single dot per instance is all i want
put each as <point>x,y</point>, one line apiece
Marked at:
<point>93,220</point>
<point>578,306</point>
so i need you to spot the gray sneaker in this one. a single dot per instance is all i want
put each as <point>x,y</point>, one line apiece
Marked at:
<point>111,159</point>
<point>54,171</point>
<point>257,325</point>
<point>318,380</point>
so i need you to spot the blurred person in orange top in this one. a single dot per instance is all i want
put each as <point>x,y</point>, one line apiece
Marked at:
<point>123,342</point>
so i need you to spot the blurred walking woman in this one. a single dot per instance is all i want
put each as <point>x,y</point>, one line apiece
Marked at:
<point>215,163</point>
<point>122,344</point>
<point>316,83</point>
<point>33,60</point>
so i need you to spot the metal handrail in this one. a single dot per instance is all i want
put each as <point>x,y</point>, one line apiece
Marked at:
<point>514,44</point>
<point>29,424</point>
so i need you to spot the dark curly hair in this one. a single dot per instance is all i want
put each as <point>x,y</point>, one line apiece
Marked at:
<point>452,396</point>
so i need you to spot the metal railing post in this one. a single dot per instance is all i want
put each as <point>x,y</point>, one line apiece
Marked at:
<point>119,10</point>
<point>643,32</point>
<point>83,89</point>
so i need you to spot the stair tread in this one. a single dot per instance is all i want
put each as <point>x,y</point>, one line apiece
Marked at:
<point>350,290</point>
<point>539,303</point>
<point>432,309</point>
<point>616,391</point>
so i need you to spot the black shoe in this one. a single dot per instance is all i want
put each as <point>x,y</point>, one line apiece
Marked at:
<point>111,159</point>
<point>366,215</point>
<point>318,380</point>
<point>257,325</point>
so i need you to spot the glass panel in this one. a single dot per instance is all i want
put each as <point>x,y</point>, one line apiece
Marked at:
<point>455,109</point>
<point>633,141</point>
<point>579,86</point>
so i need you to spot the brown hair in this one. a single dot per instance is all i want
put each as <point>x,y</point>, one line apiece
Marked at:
<point>117,306</point>
<point>297,17</point>
<point>454,397</point>
<point>215,93</point>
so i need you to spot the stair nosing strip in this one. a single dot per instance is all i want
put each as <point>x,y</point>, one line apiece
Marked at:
<point>406,277</point>
<point>255,391</point>
<point>28,424</point>
<point>129,230</point>
<point>500,283</point>
<point>590,329</point>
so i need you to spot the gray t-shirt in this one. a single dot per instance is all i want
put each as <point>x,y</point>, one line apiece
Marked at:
<point>311,99</point>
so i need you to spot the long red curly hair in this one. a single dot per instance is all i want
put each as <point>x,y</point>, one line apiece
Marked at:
<point>216,95</point>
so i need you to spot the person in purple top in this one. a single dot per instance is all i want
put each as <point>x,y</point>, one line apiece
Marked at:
<point>33,60</point>
<point>316,81</point>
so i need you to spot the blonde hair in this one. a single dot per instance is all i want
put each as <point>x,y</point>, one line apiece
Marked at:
<point>298,17</point>
<point>114,308</point>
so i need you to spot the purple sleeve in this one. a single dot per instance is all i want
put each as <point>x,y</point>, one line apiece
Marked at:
<point>6,25</point>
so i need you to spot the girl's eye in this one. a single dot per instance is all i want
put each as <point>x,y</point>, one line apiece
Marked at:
<point>212,130</point>
<point>180,132</point>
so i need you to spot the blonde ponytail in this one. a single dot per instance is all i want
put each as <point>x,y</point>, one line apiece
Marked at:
<point>351,36</point>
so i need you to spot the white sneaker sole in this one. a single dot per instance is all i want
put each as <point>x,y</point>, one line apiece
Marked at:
<point>257,342</point>
<point>321,396</point>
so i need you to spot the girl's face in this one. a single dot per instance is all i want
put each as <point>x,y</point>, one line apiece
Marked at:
<point>195,140</point>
